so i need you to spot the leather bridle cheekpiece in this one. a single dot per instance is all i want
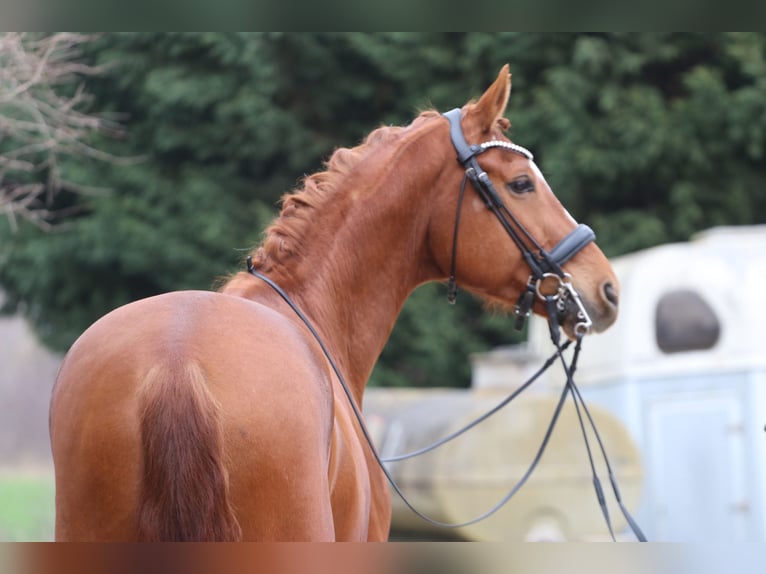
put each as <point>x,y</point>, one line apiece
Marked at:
<point>542,264</point>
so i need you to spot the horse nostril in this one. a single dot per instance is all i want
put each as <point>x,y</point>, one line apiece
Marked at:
<point>611,294</point>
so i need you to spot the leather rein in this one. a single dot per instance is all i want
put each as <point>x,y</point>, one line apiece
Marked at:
<point>543,265</point>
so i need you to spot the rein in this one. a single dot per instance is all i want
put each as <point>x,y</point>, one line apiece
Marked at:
<point>569,387</point>
<point>543,265</point>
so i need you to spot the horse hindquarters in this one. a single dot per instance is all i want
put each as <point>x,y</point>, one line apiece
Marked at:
<point>184,493</point>
<point>159,417</point>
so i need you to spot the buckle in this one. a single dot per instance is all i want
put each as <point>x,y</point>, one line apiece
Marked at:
<point>559,288</point>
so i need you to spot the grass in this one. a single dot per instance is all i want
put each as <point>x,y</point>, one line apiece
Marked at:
<point>26,507</point>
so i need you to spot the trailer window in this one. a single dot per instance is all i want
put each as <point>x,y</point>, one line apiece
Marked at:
<point>684,321</point>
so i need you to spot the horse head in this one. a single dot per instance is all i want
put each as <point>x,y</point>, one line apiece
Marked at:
<point>506,234</point>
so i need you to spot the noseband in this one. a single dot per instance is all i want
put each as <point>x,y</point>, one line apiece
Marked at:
<point>544,265</point>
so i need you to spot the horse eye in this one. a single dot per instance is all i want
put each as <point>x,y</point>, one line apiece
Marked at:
<point>521,185</point>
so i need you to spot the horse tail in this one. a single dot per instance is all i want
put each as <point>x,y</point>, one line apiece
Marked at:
<point>184,491</point>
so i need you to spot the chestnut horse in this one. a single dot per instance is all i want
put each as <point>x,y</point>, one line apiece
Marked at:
<point>216,416</point>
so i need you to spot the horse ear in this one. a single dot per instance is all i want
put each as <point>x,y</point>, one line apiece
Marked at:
<point>491,106</point>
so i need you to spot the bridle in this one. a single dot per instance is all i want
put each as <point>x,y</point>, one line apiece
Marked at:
<point>543,265</point>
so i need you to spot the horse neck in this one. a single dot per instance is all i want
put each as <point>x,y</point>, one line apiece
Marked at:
<point>365,253</point>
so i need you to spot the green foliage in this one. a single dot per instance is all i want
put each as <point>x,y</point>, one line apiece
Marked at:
<point>26,507</point>
<point>652,137</point>
<point>647,137</point>
<point>432,340</point>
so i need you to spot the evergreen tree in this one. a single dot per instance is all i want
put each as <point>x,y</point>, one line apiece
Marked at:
<point>646,137</point>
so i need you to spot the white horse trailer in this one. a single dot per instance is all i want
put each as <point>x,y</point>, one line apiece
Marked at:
<point>684,368</point>
<point>466,477</point>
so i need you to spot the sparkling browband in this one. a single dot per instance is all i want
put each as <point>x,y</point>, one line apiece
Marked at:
<point>509,146</point>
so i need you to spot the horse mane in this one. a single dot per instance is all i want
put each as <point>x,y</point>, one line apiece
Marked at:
<point>285,235</point>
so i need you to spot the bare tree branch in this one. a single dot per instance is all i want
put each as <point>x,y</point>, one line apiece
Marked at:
<point>43,119</point>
